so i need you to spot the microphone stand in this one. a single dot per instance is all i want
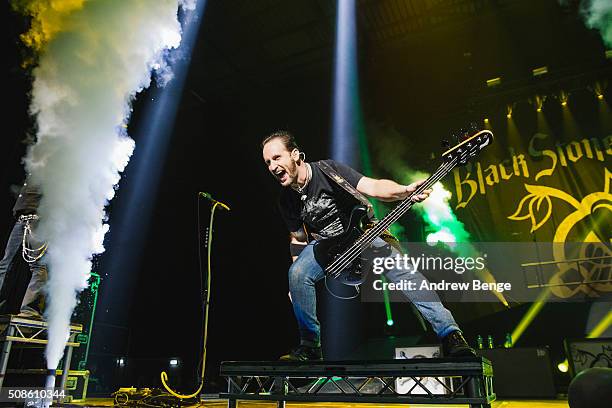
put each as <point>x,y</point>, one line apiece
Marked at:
<point>205,296</point>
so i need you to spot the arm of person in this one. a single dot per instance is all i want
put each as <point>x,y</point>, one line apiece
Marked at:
<point>297,239</point>
<point>389,190</point>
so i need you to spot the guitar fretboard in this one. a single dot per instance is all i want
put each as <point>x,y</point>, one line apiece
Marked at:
<point>351,253</point>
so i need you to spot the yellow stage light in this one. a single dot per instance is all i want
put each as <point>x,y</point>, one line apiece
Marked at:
<point>563,97</point>
<point>539,102</point>
<point>493,82</point>
<point>563,366</point>
<point>600,97</point>
<point>539,71</point>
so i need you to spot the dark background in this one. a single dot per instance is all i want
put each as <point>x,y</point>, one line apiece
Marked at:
<point>266,65</point>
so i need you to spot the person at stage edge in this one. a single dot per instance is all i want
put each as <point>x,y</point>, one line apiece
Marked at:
<point>311,199</point>
<point>22,242</point>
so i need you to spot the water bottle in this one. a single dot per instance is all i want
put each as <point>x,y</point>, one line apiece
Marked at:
<point>508,341</point>
<point>490,341</point>
<point>479,341</point>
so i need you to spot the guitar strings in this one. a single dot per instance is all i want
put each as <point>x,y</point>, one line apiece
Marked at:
<point>336,267</point>
<point>360,244</point>
<point>349,255</point>
<point>365,240</point>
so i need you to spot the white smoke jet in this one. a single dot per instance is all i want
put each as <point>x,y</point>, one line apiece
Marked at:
<point>86,78</point>
<point>598,14</point>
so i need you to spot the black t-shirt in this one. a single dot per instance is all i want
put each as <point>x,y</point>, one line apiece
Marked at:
<point>324,206</point>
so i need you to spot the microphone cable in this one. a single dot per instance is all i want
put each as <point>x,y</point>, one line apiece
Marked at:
<point>164,375</point>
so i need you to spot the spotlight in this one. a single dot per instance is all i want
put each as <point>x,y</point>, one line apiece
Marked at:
<point>563,96</point>
<point>539,102</point>
<point>563,366</point>
<point>174,362</point>
<point>390,322</point>
<point>493,82</point>
<point>509,111</point>
<point>121,362</point>
<point>539,71</point>
<point>598,90</point>
<point>486,120</point>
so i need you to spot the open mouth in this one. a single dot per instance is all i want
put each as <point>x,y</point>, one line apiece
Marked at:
<point>281,175</point>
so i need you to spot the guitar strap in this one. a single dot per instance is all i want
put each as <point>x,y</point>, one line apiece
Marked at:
<point>333,175</point>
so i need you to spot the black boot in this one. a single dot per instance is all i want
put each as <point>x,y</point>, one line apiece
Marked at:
<point>454,345</point>
<point>303,353</point>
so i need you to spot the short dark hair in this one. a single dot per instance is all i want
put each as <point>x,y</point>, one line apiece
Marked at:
<point>285,136</point>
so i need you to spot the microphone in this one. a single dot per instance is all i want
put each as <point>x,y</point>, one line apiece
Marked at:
<point>209,197</point>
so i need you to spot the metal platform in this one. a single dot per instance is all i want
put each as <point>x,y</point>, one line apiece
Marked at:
<point>467,380</point>
<point>15,329</point>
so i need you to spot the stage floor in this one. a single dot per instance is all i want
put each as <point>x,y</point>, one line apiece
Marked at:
<point>95,402</point>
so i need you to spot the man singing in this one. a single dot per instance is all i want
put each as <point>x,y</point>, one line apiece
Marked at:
<point>312,200</point>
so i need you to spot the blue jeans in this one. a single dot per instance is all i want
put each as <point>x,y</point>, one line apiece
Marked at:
<point>306,271</point>
<point>34,292</point>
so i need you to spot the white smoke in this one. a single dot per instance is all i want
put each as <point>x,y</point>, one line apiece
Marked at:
<point>598,14</point>
<point>83,87</point>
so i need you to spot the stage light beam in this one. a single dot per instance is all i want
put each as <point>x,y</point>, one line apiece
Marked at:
<point>93,59</point>
<point>601,327</point>
<point>131,215</point>
<point>345,148</point>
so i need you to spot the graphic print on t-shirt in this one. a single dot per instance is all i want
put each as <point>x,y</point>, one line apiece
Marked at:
<point>323,205</point>
<point>322,211</point>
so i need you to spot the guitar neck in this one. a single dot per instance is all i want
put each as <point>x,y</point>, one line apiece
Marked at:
<point>459,154</point>
<point>404,206</point>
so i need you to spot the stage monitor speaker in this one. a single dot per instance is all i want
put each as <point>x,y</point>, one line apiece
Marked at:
<point>524,372</point>
<point>585,353</point>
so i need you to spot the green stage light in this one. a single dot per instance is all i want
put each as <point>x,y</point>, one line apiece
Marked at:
<point>390,322</point>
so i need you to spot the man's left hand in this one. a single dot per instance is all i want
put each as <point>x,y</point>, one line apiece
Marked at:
<point>411,188</point>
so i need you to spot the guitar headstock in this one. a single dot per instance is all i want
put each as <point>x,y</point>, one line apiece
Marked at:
<point>468,148</point>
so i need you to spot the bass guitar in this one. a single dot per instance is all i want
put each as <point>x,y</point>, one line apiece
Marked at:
<point>348,257</point>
